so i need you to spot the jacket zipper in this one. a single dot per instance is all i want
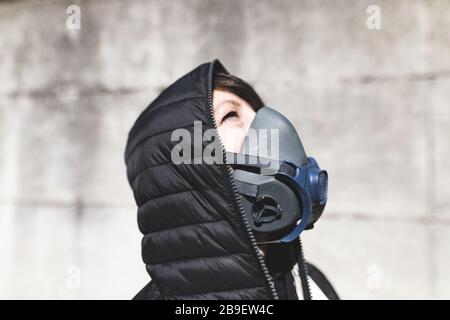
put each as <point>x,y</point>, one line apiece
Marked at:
<point>260,258</point>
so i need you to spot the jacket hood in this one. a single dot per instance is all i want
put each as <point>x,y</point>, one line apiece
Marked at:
<point>196,243</point>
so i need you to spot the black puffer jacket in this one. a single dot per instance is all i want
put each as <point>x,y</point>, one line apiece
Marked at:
<point>196,244</point>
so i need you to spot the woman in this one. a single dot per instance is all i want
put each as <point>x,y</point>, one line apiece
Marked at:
<point>197,243</point>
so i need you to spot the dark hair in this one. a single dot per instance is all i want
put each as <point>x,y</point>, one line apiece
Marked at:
<point>233,84</point>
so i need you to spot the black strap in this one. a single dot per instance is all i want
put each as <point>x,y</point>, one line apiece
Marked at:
<point>267,166</point>
<point>322,282</point>
<point>308,270</point>
<point>246,189</point>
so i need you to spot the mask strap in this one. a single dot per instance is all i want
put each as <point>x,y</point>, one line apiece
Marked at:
<point>246,189</point>
<point>267,166</point>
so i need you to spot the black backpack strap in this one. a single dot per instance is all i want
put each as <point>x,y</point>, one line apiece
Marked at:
<point>307,270</point>
<point>322,282</point>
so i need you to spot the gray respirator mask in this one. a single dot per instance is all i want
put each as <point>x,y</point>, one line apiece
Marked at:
<point>282,191</point>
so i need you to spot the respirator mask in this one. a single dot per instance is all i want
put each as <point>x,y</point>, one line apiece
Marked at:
<point>281,190</point>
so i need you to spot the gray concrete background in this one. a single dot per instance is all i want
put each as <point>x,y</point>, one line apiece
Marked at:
<point>371,105</point>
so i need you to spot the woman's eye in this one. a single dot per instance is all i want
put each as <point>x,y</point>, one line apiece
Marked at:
<point>229,115</point>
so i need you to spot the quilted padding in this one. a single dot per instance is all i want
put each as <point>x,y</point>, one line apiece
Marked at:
<point>195,243</point>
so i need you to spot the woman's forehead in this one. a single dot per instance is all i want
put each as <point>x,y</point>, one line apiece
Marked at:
<point>222,98</point>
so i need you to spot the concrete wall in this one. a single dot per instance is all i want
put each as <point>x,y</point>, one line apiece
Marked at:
<point>371,104</point>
